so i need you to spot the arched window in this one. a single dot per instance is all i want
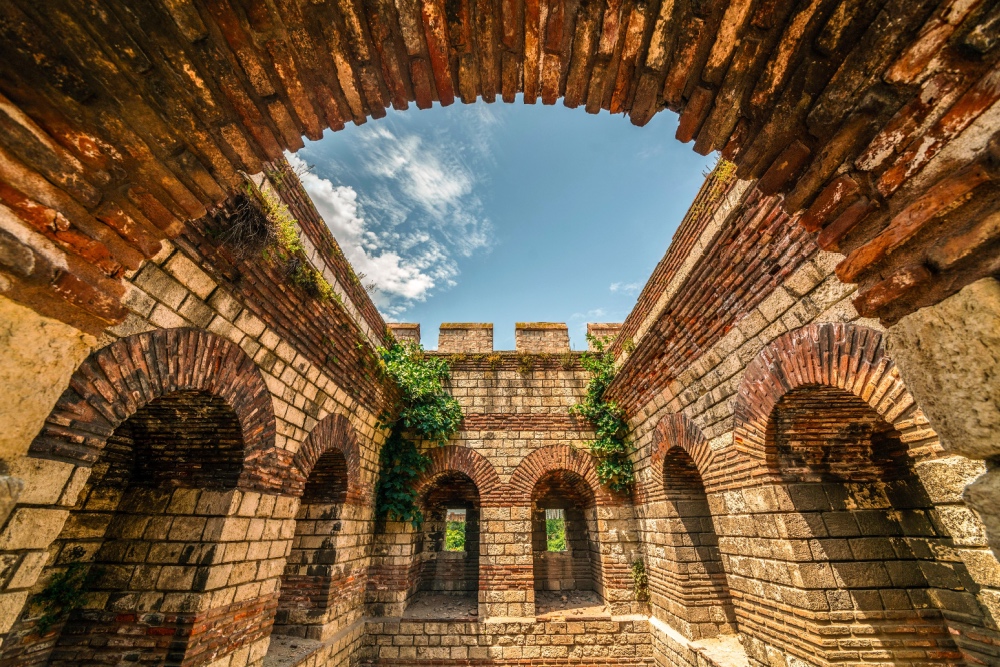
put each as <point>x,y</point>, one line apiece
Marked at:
<point>448,550</point>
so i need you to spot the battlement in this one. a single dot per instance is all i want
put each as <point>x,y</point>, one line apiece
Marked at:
<point>405,332</point>
<point>541,337</point>
<point>602,330</point>
<point>529,337</point>
<point>473,337</point>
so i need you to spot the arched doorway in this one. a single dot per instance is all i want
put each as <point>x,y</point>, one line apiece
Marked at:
<point>566,551</point>
<point>448,549</point>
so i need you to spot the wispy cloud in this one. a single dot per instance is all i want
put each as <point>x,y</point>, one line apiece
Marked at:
<point>625,288</point>
<point>413,212</point>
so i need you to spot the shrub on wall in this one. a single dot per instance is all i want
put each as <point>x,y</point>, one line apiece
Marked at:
<point>614,467</point>
<point>425,409</point>
<point>260,221</point>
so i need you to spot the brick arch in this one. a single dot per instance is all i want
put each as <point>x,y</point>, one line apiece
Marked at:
<point>333,432</point>
<point>550,459</point>
<point>453,458</point>
<point>845,356</point>
<point>115,382</point>
<point>675,430</point>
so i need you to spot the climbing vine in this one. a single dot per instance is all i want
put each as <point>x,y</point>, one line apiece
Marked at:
<point>614,467</point>
<point>640,580</point>
<point>427,410</point>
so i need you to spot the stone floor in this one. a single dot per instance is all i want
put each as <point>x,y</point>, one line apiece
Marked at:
<point>426,605</point>
<point>550,605</point>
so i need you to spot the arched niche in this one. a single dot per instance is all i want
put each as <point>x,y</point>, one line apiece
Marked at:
<point>162,426</point>
<point>564,539</point>
<point>322,583</point>
<point>689,584</point>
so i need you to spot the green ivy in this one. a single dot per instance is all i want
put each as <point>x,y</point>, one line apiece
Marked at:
<point>640,580</point>
<point>400,464</point>
<point>614,467</point>
<point>428,411</point>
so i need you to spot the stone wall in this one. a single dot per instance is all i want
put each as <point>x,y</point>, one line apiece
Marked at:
<point>194,573</point>
<point>205,479</point>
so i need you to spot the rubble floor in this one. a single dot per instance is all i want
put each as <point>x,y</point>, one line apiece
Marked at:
<point>427,605</point>
<point>570,605</point>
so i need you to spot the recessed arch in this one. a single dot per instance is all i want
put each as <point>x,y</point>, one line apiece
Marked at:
<point>444,571</point>
<point>117,381</point>
<point>320,582</point>
<point>332,433</point>
<point>687,581</point>
<point>567,559</point>
<point>675,430</point>
<point>826,435</point>
<point>558,457</point>
<point>845,356</point>
<point>169,424</point>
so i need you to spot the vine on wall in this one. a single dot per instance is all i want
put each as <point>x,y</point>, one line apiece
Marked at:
<point>640,580</point>
<point>426,410</point>
<point>614,467</point>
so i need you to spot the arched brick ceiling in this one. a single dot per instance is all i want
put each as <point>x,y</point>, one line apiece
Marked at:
<point>120,121</point>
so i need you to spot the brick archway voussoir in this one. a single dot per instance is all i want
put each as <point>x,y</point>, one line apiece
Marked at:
<point>843,355</point>
<point>118,380</point>
<point>455,458</point>
<point>334,432</point>
<point>676,430</point>
<point>551,459</point>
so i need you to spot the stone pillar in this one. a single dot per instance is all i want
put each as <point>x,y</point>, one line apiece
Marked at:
<point>949,355</point>
<point>37,356</point>
<point>601,331</point>
<point>506,573</point>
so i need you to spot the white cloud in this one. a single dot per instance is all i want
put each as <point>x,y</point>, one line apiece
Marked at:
<point>395,276</point>
<point>625,288</point>
<point>415,212</point>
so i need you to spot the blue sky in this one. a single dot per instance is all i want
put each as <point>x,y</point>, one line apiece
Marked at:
<point>503,213</point>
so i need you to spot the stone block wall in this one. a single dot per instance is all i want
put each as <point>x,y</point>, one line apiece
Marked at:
<point>624,641</point>
<point>785,545</point>
<point>175,572</point>
<point>794,504</point>
<point>405,332</point>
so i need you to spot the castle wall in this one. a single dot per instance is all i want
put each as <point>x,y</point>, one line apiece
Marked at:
<point>751,567</point>
<point>219,569</point>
